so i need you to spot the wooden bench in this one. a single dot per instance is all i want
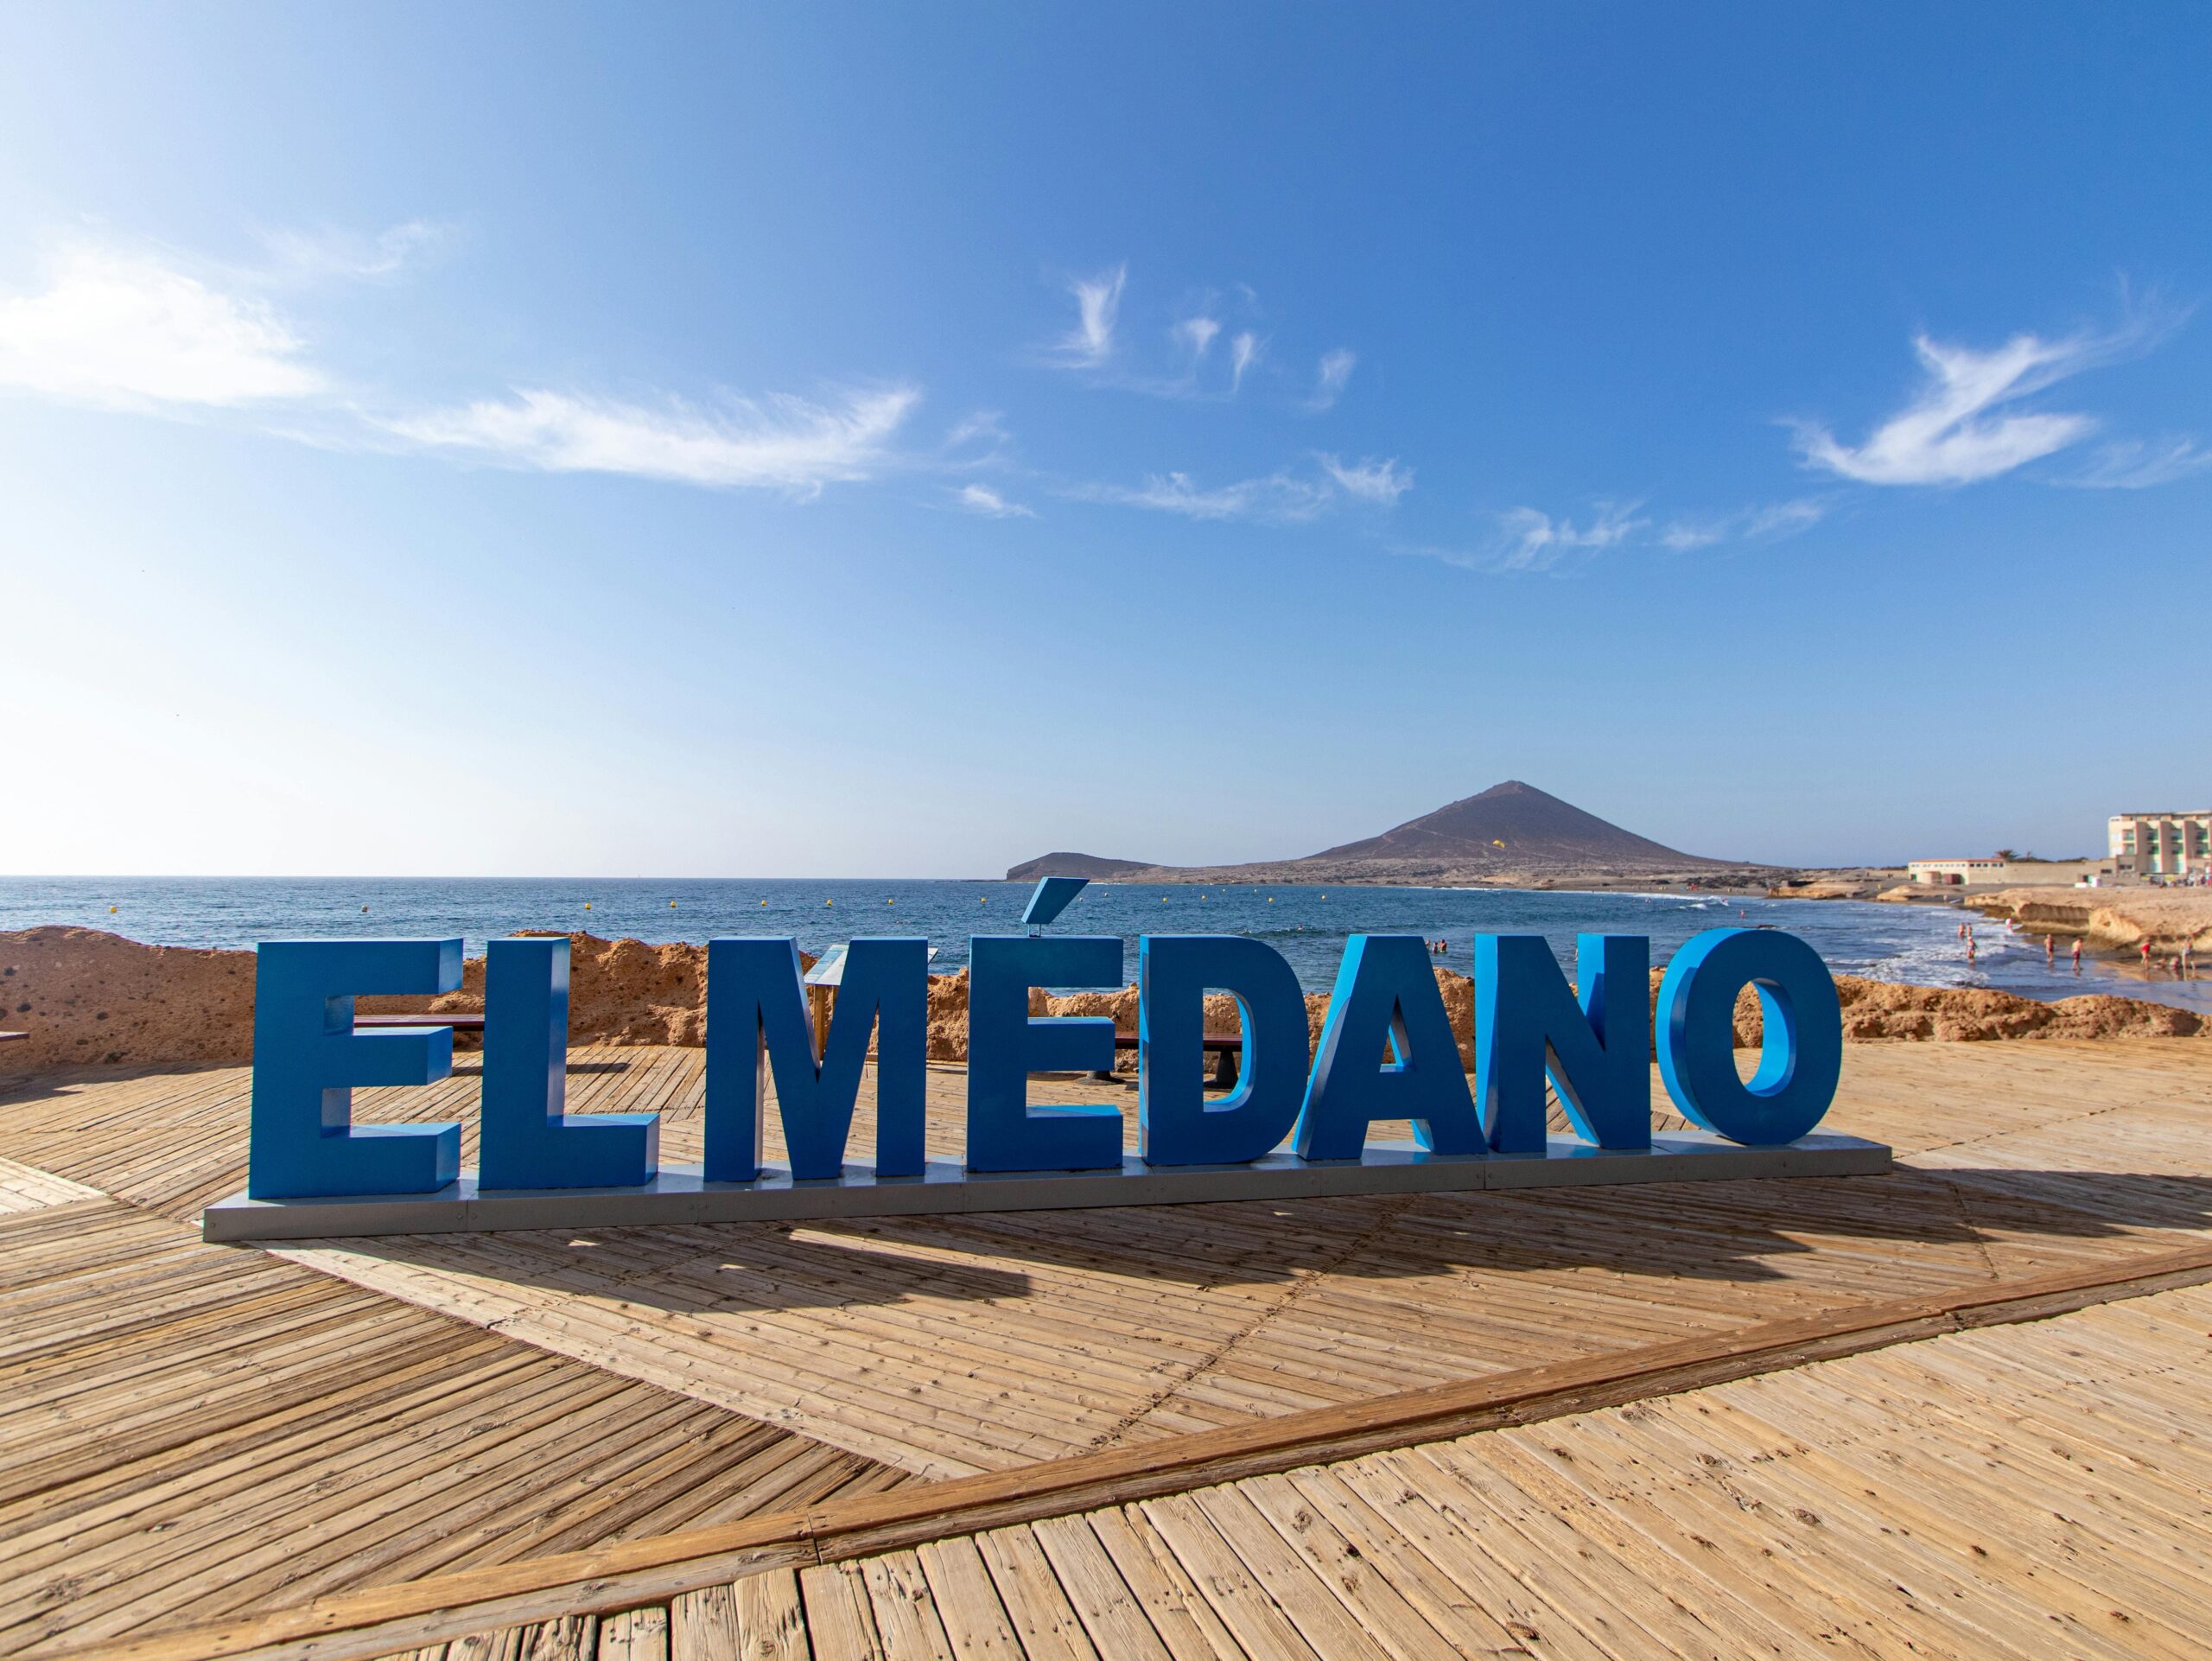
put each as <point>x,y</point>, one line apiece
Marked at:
<point>6,1037</point>
<point>1226,1049</point>
<point>459,1020</point>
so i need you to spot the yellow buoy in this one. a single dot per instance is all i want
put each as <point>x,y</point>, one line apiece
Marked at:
<point>671,905</point>
<point>111,911</point>
<point>587,905</point>
<point>764,902</point>
<point>829,903</point>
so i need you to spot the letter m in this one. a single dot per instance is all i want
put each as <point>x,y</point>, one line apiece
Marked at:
<point>757,1018</point>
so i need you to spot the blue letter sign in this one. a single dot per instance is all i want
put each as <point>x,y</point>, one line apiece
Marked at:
<point>1527,1025</point>
<point>526,1139</point>
<point>1176,1125</point>
<point>1800,1053</point>
<point>1386,995</point>
<point>307,1059</point>
<point>756,1004</point>
<point>1005,1046</point>
<point>1388,1052</point>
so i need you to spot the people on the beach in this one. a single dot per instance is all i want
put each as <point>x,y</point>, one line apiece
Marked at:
<point>2077,957</point>
<point>2050,950</point>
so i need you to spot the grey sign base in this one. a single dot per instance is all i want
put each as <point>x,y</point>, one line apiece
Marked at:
<point>679,1195</point>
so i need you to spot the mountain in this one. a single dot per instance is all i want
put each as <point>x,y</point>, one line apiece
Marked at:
<point>1517,823</point>
<point>1089,865</point>
<point>1508,833</point>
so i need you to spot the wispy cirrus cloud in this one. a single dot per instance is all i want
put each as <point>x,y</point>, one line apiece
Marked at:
<point>1090,344</point>
<point>1371,481</point>
<point>336,253</point>
<point>1196,335</point>
<point>1243,353</point>
<point>983,500</point>
<point>131,330</point>
<point>792,444</point>
<point>1283,497</point>
<point>1528,540</point>
<point>1958,429</point>
<point>1758,524</point>
<point>1278,497</point>
<point>1330,380</point>
<point>2134,464</point>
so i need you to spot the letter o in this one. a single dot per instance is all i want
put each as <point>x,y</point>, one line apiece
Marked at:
<point>1800,1050</point>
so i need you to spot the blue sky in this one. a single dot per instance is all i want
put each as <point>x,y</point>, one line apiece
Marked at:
<point>900,441</point>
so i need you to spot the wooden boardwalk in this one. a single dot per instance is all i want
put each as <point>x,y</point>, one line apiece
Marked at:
<point>189,1433</point>
<point>2029,1491</point>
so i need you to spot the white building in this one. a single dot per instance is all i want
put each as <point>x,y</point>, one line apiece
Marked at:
<point>2160,844</point>
<point>1956,873</point>
<point>1994,872</point>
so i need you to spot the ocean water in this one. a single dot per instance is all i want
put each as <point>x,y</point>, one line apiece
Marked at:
<point>1913,944</point>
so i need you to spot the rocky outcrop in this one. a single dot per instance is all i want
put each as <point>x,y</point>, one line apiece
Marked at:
<point>620,992</point>
<point>1882,1010</point>
<point>1820,888</point>
<point>2118,919</point>
<point>88,998</point>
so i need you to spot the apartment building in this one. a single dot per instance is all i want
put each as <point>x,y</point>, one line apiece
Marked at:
<point>2161,844</point>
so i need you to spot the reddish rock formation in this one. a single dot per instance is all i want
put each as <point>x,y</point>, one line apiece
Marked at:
<point>2115,919</point>
<point>88,998</point>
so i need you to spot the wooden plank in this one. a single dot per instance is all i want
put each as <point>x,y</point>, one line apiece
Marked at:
<point>906,1621</point>
<point>840,1618</point>
<point>702,1625</point>
<point>1048,1626</point>
<point>634,1635</point>
<point>975,1621</point>
<point>1172,1603</point>
<point>1112,1614</point>
<point>771,1618</point>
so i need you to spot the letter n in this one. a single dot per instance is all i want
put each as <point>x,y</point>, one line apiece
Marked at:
<point>1597,1055</point>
